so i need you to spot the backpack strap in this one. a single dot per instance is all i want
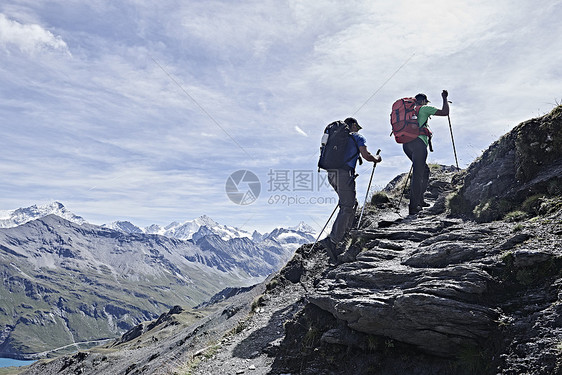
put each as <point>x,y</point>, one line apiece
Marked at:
<point>358,153</point>
<point>424,129</point>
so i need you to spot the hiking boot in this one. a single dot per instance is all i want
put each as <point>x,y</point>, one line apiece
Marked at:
<point>354,233</point>
<point>349,255</point>
<point>414,210</point>
<point>330,249</point>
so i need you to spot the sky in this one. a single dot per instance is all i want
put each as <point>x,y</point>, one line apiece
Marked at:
<point>155,112</point>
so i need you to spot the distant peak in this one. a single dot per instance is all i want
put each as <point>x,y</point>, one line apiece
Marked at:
<point>171,225</point>
<point>124,226</point>
<point>206,220</point>
<point>22,215</point>
<point>303,227</point>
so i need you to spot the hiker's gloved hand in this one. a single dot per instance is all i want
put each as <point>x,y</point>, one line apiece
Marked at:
<point>444,94</point>
<point>378,159</point>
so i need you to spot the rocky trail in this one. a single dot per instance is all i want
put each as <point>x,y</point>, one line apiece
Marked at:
<point>447,291</point>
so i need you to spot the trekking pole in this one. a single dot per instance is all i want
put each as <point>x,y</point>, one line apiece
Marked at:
<point>368,189</point>
<point>322,231</point>
<point>453,139</point>
<point>405,186</point>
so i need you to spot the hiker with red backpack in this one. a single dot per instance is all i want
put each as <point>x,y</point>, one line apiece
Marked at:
<point>409,118</point>
<point>341,149</point>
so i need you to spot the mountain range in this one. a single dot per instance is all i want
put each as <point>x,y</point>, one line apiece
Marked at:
<point>66,281</point>
<point>182,231</point>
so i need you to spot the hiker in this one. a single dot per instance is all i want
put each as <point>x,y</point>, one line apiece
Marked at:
<point>343,182</point>
<point>416,151</point>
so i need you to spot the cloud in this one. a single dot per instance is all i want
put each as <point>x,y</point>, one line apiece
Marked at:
<point>128,114</point>
<point>300,131</point>
<point>29,38</point>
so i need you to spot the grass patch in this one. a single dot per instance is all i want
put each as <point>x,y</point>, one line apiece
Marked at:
<point>372,343</point>
<point>257,302</point>
<point>311,338</point>
<point>514,216</point>
<point>379,199</point>
<point>11,370</point>
<point>550,205</point>
<point>530,274</point>
<point>274,283</point>
<point>491,210</point>
<point>532,204</point>
<point>518,228</point>
<point>242,325</point>
<point>457,205</point>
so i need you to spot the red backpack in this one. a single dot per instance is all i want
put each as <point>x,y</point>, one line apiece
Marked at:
<point>404,121</point>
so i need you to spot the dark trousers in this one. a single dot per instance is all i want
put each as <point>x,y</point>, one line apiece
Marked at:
<point>417,153</point>
<point>343,182</point>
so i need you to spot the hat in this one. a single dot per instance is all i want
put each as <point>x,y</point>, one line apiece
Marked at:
<point>422,96</point>
<point>351,121</point>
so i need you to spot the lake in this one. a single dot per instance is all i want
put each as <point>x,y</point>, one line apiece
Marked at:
<point>7,362</point>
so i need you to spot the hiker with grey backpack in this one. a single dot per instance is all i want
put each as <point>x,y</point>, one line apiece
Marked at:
<point>342,146</point>
<point>409,119</point>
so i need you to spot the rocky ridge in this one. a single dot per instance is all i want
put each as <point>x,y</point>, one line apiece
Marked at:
<point>450,291</point>
<point>427,295</point>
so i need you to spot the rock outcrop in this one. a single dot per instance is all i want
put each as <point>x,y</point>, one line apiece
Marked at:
<point>427,294</point>
<point>520,167</point>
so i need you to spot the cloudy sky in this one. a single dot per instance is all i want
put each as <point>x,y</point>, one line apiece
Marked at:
<point>141,110</point>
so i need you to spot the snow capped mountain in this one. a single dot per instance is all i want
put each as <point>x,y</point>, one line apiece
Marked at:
<point>191,229</point>
<point>124,226</point>
<point>289,239</point>
<point>303,228</point>
<point>14,218</point>
<point>155,229</point>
